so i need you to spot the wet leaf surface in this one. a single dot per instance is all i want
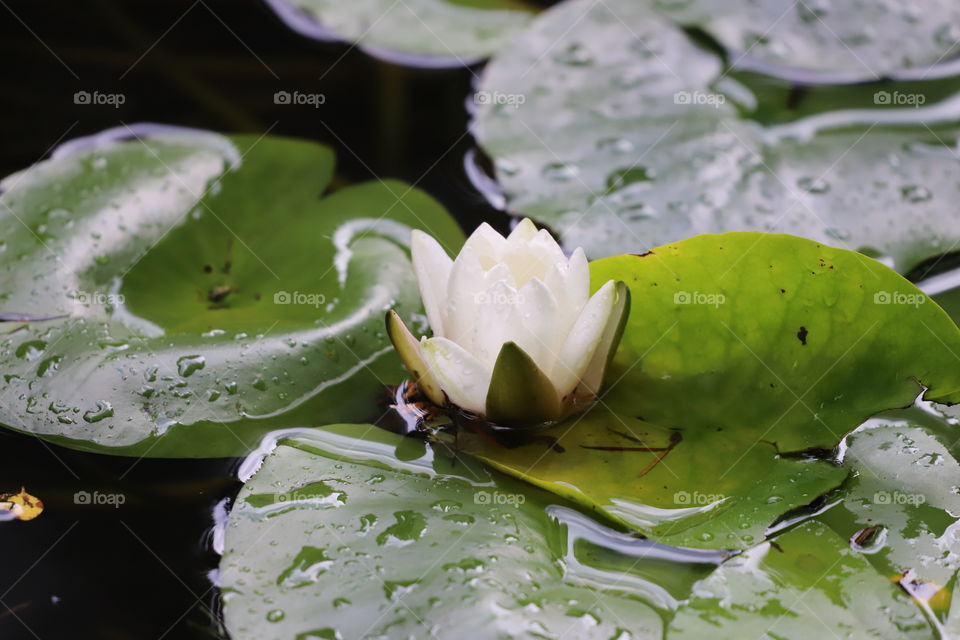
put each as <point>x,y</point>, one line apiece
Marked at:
<point>854,40</point>
<point>420,32</point>
<point>712,491</point>
<point>906,485</point>
<point>335,537</point>
<point>806,584</point>
<point>630,135</point>
<point>202,290</point>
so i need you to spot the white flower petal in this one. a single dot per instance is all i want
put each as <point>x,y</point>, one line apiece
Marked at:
<point>527,262</point>
<point>461,376</point>
<point>535,328</point>
<point>492,322</point>
<point>592,377</point>
<point>488,245</point>
<point>569,282</point>
<point>499,273</point>
<point>432,266</point>
<point>466,282</point>
<point>543,241</point>
<point>581,344</point>
<point>577,281</point>
<point>523,233</point>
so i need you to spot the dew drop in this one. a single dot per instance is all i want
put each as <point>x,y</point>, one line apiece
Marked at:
<point>188,365</point>
<point>103,410</point>
<point>915,193</point>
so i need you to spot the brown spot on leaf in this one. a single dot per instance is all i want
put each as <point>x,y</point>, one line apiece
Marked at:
<point>802,335</point>
<point>217,294</point>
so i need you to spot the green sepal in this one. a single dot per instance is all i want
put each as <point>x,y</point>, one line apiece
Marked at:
<point>409,351</point>
<point>520,394</point>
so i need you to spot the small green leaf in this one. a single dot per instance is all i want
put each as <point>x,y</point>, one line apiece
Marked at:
<point>520,393</point>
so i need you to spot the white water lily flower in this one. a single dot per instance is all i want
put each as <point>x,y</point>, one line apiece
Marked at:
<point>517,338</point>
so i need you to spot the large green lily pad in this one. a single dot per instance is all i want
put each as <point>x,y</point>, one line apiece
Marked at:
<point>741,349</point>
<point>861,40</point>
<point>435,33</point>
<point>629,135</point>
<point>334,536</point>
<point>806,584</point>
<point>776,337</point>
<point>183,293</point>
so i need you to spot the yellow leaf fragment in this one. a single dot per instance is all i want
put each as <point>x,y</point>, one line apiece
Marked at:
<point>21,506</point>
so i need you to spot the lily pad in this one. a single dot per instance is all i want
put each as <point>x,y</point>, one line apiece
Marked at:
<point>852,41</point>
<point>431,33</point>
<point>743,354</point>
<point>806,584</point>
<point>334,536</point>
<point>630,135</point>
<point>711,490</point>
<point>181,293</point>
<point>779,337</point>
<point>902,505</point>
